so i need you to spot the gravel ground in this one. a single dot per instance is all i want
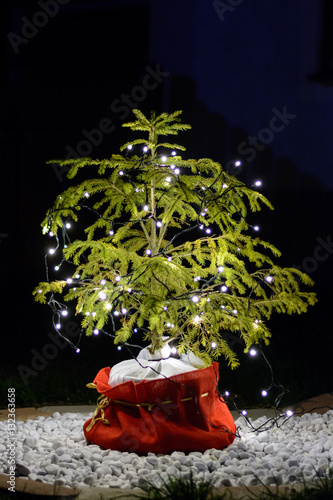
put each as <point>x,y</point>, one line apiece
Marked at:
<point>54,450</point>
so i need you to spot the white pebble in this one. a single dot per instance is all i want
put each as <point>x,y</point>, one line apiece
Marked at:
<point>269,449</point>
<point>232,471</point>
<point>241,445</point>
<point>52,469</point>
<point>30,442</point>
<point>152,460</point>
<point>22,468</point>
<point>293,463</point>
<point>115,482</point>
<point>54,450</point>
<point>90,479</point>
<point>57,444</point>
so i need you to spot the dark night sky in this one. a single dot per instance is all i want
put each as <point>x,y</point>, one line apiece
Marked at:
<point>86,65</point>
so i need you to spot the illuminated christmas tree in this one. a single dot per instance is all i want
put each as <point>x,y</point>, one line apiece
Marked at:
<point>169,253</point>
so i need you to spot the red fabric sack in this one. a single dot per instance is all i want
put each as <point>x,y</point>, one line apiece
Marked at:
<point>181,413</point>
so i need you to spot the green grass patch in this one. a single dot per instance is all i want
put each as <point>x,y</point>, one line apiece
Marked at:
<point>188,489</point>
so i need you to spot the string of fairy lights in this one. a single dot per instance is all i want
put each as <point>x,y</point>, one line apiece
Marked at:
<point>60,310</point>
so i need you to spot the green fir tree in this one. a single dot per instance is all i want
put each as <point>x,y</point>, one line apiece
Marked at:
<point>170,252</point>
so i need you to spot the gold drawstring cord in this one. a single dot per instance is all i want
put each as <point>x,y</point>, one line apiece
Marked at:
<point>103,402</point>
<point>91,386</point>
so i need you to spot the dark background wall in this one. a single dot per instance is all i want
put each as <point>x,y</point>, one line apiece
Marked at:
<point>254,80</point>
